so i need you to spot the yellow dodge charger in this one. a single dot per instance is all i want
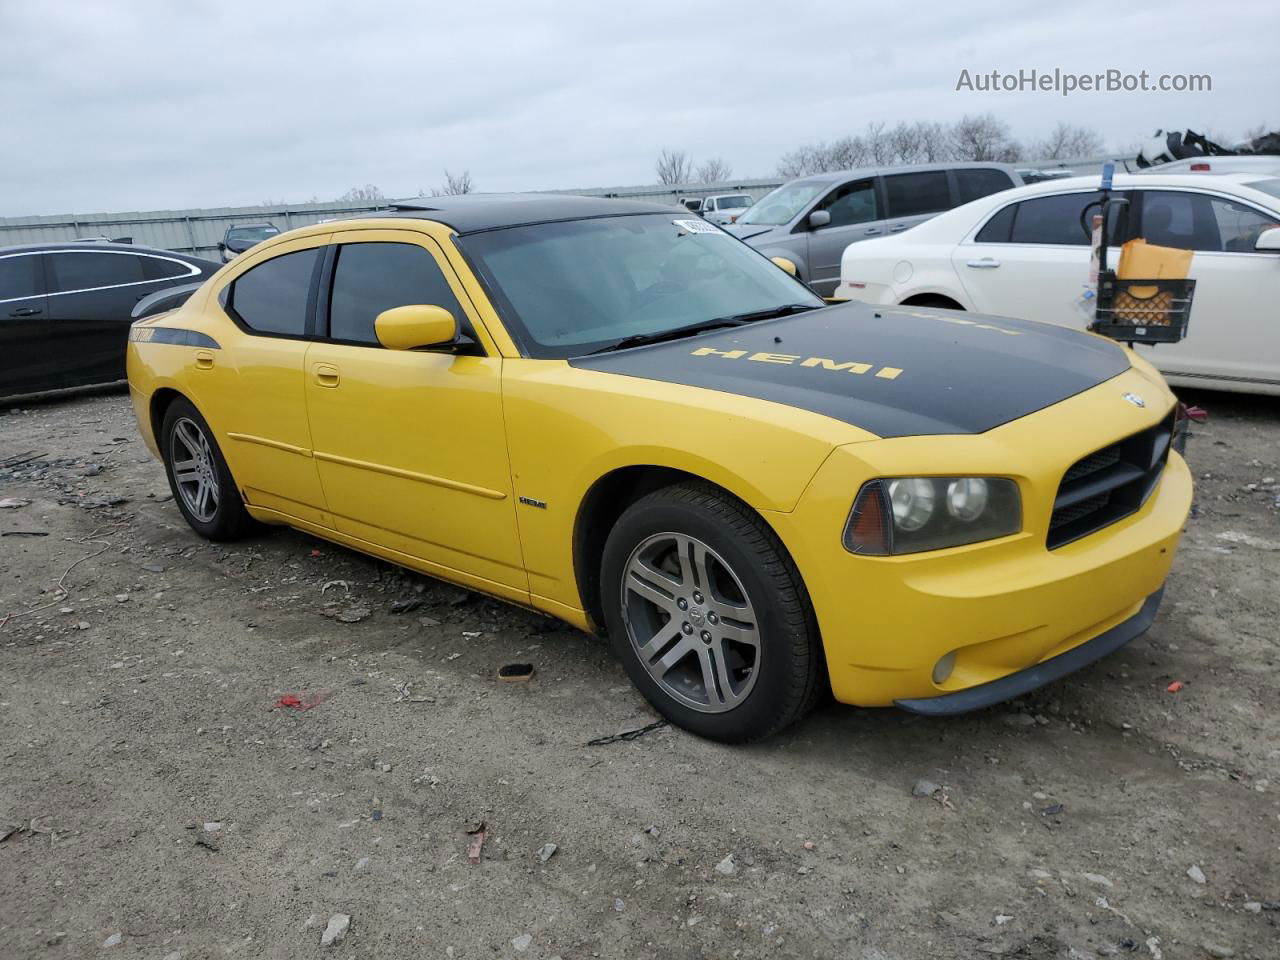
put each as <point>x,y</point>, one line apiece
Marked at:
<point>624,417</point>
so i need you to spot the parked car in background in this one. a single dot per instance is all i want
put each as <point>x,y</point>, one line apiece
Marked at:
<point>725,207</point>
<point>65,309</point>
<point>692,203</point>
<point>622,417</point>
<point>241,237</point>
<point>811,220</point>
<point>1032,175</point>
<point>1265,165</point>
<point>1025,254</point>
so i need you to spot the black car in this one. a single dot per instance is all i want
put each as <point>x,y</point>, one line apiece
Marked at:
<point>240,238</point>
<point>65,309</point>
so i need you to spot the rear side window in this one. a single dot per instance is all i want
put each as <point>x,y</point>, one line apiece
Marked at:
<point>975,184</point>
<point>997,229</point>
<point>72,270</point>
<point>372,277</point>
<point>272,297</point>
<point>1055,220</point>
<point>156,268</point>
<point>20,277</point>
<point>913,194</point>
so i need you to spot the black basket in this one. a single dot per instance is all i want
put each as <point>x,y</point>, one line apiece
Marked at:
<point>1143,311</point>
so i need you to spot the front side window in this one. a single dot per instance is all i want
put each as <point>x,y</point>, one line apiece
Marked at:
<point>851,203</point>
<point>372,277</point>
<point>974,184</point>
<point>781,205</point>
<point>72,270</point>
<point>1239,226</point>
<point>916,194</point>
<point>565,289</point>
<point>20,277</point>
<point>272,297</point>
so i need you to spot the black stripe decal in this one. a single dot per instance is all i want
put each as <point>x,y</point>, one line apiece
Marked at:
<point>174,335</point>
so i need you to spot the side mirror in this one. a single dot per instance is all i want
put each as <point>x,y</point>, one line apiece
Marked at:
<point>1268,240</point>
<point>415,325</point>
<point>819,218</point>
<point>785,264</point>
<point>222,246</point>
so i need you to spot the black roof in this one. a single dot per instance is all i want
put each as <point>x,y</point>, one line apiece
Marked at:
<point>476,212</point>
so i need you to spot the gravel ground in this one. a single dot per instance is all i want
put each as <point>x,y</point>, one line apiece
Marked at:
<point>158,801</point>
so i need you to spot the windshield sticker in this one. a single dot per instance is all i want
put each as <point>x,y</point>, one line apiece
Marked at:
<point>697,226</point>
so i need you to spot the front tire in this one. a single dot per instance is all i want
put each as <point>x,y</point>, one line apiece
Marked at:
<point>709,615</point>
<point>199,477</point>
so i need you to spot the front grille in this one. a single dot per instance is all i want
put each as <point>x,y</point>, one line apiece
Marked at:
<point>1109,484</point>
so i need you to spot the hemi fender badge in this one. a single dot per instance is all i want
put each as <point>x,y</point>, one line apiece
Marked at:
<point>530,502</point>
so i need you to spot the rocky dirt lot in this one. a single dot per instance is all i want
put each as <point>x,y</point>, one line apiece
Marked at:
<point>159,797</point>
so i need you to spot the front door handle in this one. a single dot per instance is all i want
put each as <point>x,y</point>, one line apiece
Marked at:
<point>871,231</point>
<point>26,312</point>
<point>327,375</point>
<point>986,263</point>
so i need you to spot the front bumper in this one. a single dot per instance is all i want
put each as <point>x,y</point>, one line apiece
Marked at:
<point>1033,678</point>
<point>1003,608</point>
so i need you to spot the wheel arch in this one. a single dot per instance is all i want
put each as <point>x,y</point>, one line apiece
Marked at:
<point>161,400</point>
<point>931,299</point>
<point>601,506</point>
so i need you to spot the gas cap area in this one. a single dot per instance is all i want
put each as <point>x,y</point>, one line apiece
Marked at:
<point>902,272</point>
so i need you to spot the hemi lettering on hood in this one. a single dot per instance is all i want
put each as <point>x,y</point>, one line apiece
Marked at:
<point>894,372</point>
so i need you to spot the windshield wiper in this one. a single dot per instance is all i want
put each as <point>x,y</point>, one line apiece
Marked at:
<point>718,323</point>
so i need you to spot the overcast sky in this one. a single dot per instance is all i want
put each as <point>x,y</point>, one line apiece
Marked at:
<point>115,106</point>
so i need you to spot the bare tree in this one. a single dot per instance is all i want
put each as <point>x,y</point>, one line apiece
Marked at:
<point>715,170</point>
<point>1068,142</point>
<point>878,144</point>
<point>843,154</point>
<point>934,141</point>
<point>454,184</point>
<point>366,194</point>
<point>674,166</point>
<point>984,137</point>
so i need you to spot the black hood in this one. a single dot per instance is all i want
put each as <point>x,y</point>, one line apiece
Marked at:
<point>896,372</point>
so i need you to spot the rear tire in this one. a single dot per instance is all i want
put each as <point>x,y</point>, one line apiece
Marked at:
<point>199,477</point>
<point>709,615</point>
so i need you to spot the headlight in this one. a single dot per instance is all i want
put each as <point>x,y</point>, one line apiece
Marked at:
<point>911,514</point>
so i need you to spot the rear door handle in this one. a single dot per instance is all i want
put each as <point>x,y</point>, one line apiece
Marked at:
<point>897,228</point>
<point>204,359</point>
<point>327,375</point>
<point>986,263</point>
<point>26,312</point>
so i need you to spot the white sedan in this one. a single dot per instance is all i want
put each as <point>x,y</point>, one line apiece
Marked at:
<point>1025,253</point>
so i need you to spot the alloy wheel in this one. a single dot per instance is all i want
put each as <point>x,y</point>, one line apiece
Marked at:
<point>690,622</point>
<point>195,473</point>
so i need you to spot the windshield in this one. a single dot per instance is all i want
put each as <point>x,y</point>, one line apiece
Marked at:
<point>1270,185</point>
<point>566,289</point>
<point>783,204</point>
<point>252,234</point>
<point>733,202</point>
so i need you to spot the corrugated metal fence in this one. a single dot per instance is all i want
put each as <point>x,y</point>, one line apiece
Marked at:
<point>198,231</point>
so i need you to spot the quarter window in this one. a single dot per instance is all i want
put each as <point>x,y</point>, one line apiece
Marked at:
<point>156,268</point>
<point>851,203</point>
<point>73,270</point>
<point>915,194</point>
<point>20,277</point>
<point>272,297</point>
<point>372,277</point>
